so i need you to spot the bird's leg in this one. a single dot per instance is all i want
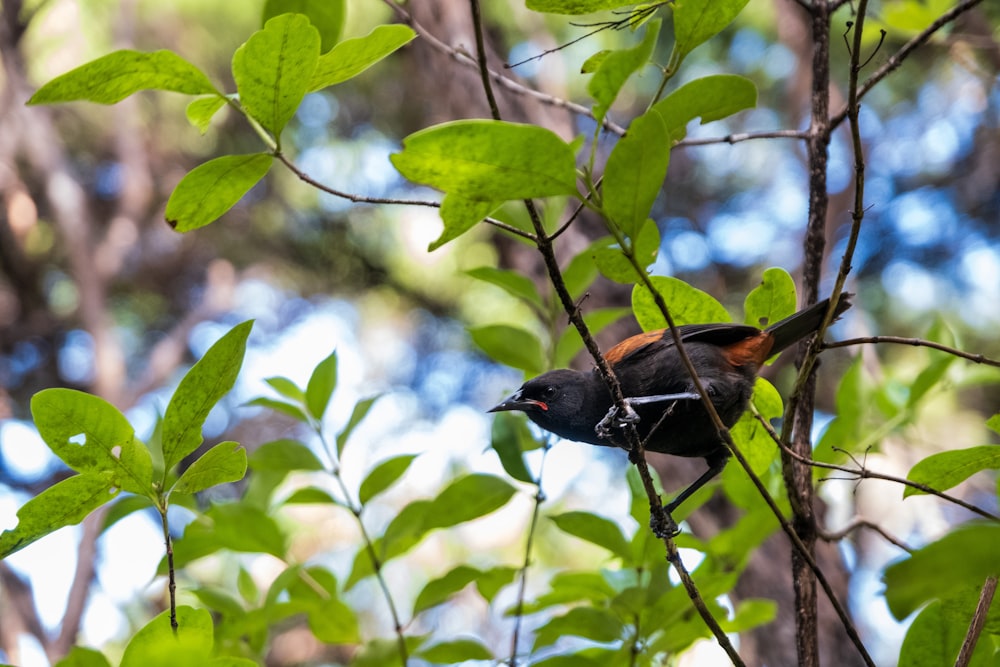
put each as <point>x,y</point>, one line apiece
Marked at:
<point>615,420</point>
<point>642,400</point>
<point>716,462</point>
<point>661,523</point>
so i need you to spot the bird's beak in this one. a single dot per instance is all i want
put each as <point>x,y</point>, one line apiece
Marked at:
<point>516,402</point>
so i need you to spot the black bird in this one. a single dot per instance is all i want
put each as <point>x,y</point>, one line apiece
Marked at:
<point>577,405</point>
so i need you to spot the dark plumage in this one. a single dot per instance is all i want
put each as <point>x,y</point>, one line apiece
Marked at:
<point>572,403</point>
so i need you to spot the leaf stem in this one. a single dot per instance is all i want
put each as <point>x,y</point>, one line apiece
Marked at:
<point>528,545</point>
<point>377,564</point>
<point>171,576</point>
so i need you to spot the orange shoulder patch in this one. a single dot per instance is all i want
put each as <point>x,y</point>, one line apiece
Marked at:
<point>630,345</point>
<point>754,349</point>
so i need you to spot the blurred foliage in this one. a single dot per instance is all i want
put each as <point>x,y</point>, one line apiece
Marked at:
<point>928,265</point>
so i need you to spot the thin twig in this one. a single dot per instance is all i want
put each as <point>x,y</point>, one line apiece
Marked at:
<point>506,82</point>
<point>799,411</point>
<point>978,621</point>
<point>528,545</point>
<point>366,199</point>
<point>373,557</point>
<point>861,472</point>
<point>857,523</point>
<point>172,582</point>
<point>916,342</point>
<point>896,59</point>
<point>484,71</point>
<point>744,136</point>
<point>544,244</point>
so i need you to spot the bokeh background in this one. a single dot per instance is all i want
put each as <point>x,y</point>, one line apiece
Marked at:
<point>98,293</point>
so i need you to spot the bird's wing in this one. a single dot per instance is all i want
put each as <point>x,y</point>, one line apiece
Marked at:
<point>650,342</point>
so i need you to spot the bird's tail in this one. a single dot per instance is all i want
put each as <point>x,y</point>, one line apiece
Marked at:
<point>796,327</point>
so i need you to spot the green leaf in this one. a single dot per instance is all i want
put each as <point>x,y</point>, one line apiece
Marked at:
<point>687,304</point>
<point>63,504</point>
<point>929,377</point>
<point>403,533</point>
<point>233,526</point>
<point>284,455</point>
<point>360,411</point>
<point>246,586</point>
<point>635,172</point>
<point>599,625</point>
<point>80,656</point>
<point>384,475</point>
<point>575,7</point>
<point>931,572</point>
<point>993,423</point>
<point>491,581</point>
<point>612,262</point>
<point>310,495</point>
<point>489,161</point>
<point>455,651</point>
<point>438,591</point>
<point>327,16</point>
<point>157,645</point>
<point>112,78</point>
<point>273,68</point>
<point>198,392</point>
<point>91,435</point>
<point>596,530</point>
<point>512,346</point>
<point>219,600</point>
<point>465,499</point>
<point>290,409</point>
<point>696,21</point>
<point>593,658</point>
<point>756,444</point>
<point>201,111</point>
<point>710,98</point>
<point>468,498</point>
<point>570,587</point>
<point>932,639</point>
<point>510,438</point>
<point>460,215</point>
<point>751,614</point>
<point>515,284</point>
<point>771,301</point>
<point>330,620</point>
<point>321,384</point>
<point>286,388</point>
<point>383,652</point>
<point>617,67</point>
<point>226,462</point>
<point>353,56</point>
<point>212,188</point>
<point>579,274</point>
<point>944,470</point>
<point>591,64</point>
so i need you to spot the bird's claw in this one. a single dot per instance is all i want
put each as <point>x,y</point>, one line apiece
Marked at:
<point>662,524</point>
<point>615,420</point>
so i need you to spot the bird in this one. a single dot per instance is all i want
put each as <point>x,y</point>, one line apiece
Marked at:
<point>663,401</point>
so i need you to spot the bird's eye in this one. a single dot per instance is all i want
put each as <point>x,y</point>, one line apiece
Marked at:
<point>549,392</point>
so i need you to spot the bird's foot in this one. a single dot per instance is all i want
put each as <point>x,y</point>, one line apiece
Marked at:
<point>616,419</point>
<point>662,524</point>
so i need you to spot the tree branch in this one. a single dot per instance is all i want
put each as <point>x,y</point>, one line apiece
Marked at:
<point>916,342</point>
<point>858,523</point>
<point>978,621</point>
<point>896,59</point>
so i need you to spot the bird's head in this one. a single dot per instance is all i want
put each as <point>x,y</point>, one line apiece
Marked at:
<point>561,401</point>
